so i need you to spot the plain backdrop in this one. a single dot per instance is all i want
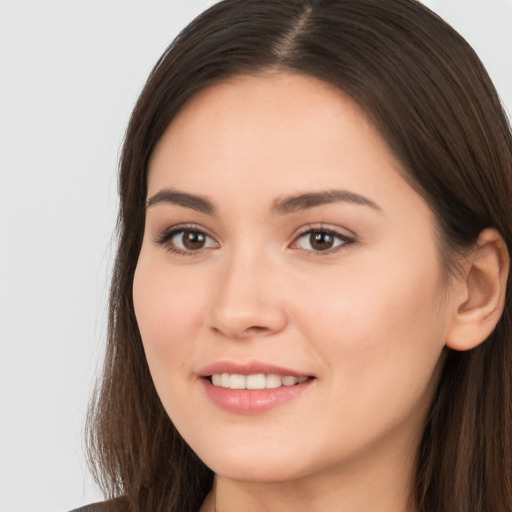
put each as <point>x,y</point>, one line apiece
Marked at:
<point>70,72</point>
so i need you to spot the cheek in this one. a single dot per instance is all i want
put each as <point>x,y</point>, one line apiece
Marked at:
<point>381,339</point>
<point>380,328</point>
<point>169,313</point>
<point>364,308</point>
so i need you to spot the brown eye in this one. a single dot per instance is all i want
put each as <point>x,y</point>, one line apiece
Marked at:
<point>321,240</point>
<point>185,241</point>
<point>193,240</point>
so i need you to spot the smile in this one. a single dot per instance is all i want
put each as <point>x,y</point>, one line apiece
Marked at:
<point>255,381</point>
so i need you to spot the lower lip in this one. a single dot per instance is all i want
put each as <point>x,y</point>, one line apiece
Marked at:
<point>252,401</point>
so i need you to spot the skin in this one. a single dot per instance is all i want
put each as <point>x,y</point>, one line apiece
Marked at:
<point>369,319</point>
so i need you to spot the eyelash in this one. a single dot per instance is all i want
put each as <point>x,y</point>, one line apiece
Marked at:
<point>310,230</point>
<point>166,236</point>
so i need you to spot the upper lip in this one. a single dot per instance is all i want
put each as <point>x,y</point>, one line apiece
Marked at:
<point>248,368</point>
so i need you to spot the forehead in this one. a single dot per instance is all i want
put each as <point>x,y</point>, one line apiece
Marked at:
<point>294,94</point>
<point>273,134</point>
<point>248,108</point>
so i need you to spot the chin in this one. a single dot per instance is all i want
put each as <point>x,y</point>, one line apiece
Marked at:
<point>259,464</point>
<point>256,472</point>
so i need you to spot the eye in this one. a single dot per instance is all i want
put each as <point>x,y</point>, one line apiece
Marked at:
<point>184,240</point>
<point>321,240</point>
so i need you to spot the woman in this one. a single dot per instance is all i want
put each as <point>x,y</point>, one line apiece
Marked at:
<point>309,306</point>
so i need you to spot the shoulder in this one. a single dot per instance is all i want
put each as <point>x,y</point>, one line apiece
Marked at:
<point>104,506</point>
<point>94,507</point>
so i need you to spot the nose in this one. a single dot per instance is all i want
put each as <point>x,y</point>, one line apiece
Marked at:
<point>248,302</point>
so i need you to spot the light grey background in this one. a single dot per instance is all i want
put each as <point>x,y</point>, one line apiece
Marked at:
<point>70,71</point>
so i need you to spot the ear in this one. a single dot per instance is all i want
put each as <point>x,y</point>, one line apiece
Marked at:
<point>481,297</point>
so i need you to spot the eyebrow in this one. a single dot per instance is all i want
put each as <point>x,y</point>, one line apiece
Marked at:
<point>281,206</point>
<point>310,200</point>
<point>198,203</point>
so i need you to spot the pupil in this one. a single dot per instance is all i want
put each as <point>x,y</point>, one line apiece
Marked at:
<point>321,241</point>
<point>193,240</point>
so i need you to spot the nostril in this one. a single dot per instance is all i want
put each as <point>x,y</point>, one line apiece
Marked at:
<point>256,329</point>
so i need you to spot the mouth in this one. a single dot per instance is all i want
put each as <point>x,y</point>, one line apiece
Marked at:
<point>252,387</point>
<point>255,381</point>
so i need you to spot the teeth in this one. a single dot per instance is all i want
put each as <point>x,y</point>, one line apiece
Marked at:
<point>273,381</point>
<point>255,381</point>
<point>289,381</point>
<point>237,381</point>
<point>224,380</point>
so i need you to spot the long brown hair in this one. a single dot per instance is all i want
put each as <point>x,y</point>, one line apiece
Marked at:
<point>429,96</point>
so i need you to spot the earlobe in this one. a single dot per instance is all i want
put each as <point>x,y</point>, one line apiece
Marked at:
<point>485,280</point>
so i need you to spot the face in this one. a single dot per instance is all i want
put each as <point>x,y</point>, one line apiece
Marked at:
<point>288,290</point>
